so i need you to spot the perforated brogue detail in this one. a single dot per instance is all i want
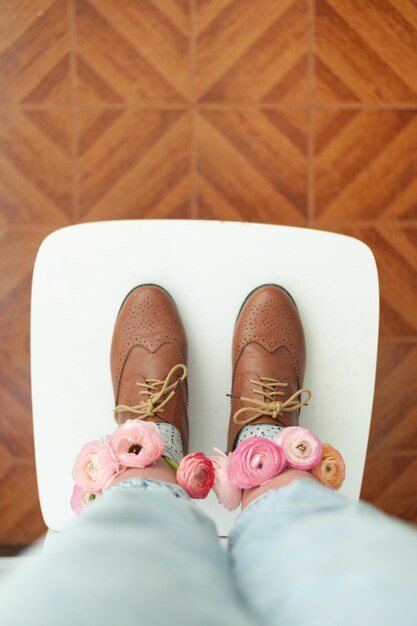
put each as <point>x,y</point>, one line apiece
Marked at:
<point>148,341</point>
<point>272,324</point>
<point>151,346</point>
<point>144,318</point>
<point>271,349</point>
<point>268,343</point>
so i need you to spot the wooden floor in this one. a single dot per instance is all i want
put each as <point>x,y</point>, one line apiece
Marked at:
<point>283,111</point>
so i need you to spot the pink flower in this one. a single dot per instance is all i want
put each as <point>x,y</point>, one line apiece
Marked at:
<point>255,461</point>
<point>278,438</point>
<point>227,494</point>
<point>195,474</point>
<point>94,467</point>
<point>331,469</point>
<point>136,443</point>
<point>80,498</point>
<point>302,449</point>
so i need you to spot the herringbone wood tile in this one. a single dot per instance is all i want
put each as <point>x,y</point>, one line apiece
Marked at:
<point>365,51</point>
<point>355,151</point>
<point>134,164</point>
<point>36,166</point>
<point>395,251</point>
<point>35,52</point>
<point>18,248</point>
<point>251,52</point>
<point>16,433</point>
<point>390,479</point>
<point>21,520</point>
<point>133,52</point>
<point>252,165</point>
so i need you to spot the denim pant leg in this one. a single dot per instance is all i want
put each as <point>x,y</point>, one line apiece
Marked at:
<point>141,554</point>
<point>304,554</point>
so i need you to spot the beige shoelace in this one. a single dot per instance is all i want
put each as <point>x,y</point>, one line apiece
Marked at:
<point>269,406</point>
<point>155,402</point>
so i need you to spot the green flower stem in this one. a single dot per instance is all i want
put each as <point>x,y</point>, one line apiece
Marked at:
<point>170,462</point>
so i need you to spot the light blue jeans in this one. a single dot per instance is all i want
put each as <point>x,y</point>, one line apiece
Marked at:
<point>144,554</point>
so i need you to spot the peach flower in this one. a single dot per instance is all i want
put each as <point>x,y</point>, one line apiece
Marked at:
<point>80,498</point>
<point>227,494</point>
<point>255,461</point>
<point>136,443</point>
<point>94,467</point>
<point>331,469</point>
<point>302,449</point>
<point>195,474</point>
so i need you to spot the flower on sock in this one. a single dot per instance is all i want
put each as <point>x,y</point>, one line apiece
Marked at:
<point>94,467</point>
<point>255,461</point>
<point>195,474</point>
<point>302,449</point>
<point>227,494</point>
<point>80,498</point>
<point>331,469</point>
<point>278,438</point>
<point>136,443</point>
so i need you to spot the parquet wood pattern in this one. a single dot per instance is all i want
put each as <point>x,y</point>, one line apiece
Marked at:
<point>124,147</point>
<point>36,166</point>
<point>147,65</point>
<point>35,52</point>
<point>390,474</point>
<point>257,160</point>
<point>298,112</point>
<point>355,150</point>
<point>369,47</point>
<point>238,48</point>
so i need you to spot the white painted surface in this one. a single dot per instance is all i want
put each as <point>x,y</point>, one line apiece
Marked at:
<point>83,272</point>
<point>9,564</point>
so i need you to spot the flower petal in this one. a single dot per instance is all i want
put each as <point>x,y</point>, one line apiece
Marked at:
<point>227,494</point>
<point>302,449</point>
<point>94,466</point>
<point>331,469</point>
<point>255,461</point>
<point>195,474</point>
<point>137,443</point>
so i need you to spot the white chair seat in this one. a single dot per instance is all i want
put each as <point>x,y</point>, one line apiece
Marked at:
<point>83,272</point>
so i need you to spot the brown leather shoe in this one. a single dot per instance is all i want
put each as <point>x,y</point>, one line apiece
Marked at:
<point>148,360</point>
<point>268,361</point>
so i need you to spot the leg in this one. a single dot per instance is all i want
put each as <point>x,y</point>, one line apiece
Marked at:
<point>140,554</point>
<point>302,554</point>
<point>305,554</point>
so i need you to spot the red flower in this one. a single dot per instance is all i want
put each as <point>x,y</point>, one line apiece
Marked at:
<point>195,474</point>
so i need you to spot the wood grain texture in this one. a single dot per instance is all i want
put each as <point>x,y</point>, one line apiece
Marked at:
<point>18,249</point>
<point>390,479</point>
<point>36,166</point>
<point>134,164</point>
<point>395,251</point>
<point>366,51</point>
<point>133,52</point>
<point>297,112</point>
<point>34,52</point>
<point>355,151</point>
<point>255,163</point>
<point>22,521</point>
<point>252,52</point>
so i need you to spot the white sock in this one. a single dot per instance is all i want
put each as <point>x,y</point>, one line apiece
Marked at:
<point>172,441</point>
<point>257,430</point>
